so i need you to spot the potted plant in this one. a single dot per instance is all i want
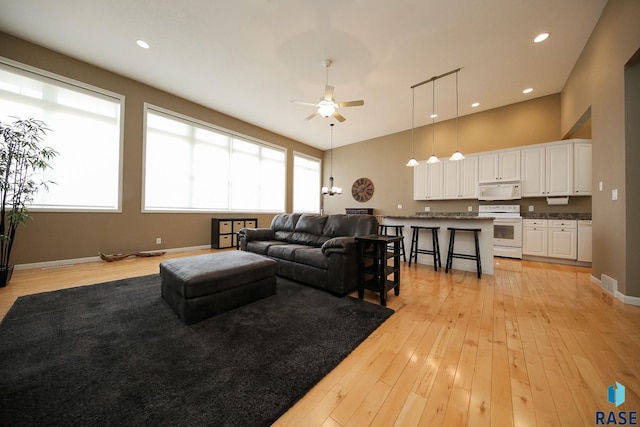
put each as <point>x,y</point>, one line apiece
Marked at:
<point>22,161</point>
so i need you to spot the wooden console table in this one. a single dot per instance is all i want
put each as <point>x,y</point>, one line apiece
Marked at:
<point>374,269</point>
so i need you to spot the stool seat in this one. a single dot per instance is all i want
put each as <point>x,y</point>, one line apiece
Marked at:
<point>435,245</point>
<point>383,229</point>
<point>451,254</point>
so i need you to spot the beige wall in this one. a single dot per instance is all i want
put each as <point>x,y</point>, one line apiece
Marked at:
<point>59,236</point>
<point>383,159</point>
<point>597,82</point>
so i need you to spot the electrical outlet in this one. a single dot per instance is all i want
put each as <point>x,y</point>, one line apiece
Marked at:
<point>427,209</point>
<point>399,205</point>
<point>470,208</point>
<point>158,240</point>
<point>530,208</point>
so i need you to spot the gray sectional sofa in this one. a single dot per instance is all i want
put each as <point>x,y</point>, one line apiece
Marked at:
<point>316,250</point>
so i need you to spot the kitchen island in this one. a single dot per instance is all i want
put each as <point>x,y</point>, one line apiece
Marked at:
<point>464,241</point>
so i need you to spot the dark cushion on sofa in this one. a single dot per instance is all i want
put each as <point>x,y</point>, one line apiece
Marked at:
<point>313,257</point>
<point>284,251</point>
<point>285,222</point>
<point>262,246</point>
<point>313,224</point>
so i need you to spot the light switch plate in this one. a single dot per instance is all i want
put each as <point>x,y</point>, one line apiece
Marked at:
<point>600,185</point>
<point>427,209</point>
<point>614,194</point>
<point>531,208</point>
<point>399,206</point>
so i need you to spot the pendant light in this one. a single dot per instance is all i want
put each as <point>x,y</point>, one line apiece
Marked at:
<point>433,158</point>
<point>331,190</point>
<point>457,155</point>
<point>412,162</point>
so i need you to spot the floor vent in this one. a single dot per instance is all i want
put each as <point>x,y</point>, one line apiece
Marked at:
<point>609,284</point>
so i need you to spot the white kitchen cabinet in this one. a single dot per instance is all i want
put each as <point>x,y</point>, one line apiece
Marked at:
<point>548,170</point>
<point>427,181</point>
<point>582,169</point>
<point>559,169</point>
<point>499,166</point>
<point>460,178</point>
<point>535,237</point>
<point>563,239</point>
<point>533,172</point>
<point>584,241</point>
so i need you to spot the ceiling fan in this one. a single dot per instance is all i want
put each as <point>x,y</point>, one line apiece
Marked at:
<point>327,106</point>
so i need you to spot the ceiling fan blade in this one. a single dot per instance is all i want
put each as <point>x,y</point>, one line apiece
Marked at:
<point>351,103</point>
<point>328,93</point>
<point>311,104</point>
<point>312,115</point>
<point>338,116</point>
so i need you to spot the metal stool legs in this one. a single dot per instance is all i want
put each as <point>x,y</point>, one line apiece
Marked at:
<point>451,254</point>
<point>415,249</point>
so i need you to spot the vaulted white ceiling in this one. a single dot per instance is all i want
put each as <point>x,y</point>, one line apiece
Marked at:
<point>250,58</point>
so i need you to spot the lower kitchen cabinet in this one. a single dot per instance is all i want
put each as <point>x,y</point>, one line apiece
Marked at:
<point>550,238</point>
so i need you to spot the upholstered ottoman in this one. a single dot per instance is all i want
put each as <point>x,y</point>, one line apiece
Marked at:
<point>203,286</point>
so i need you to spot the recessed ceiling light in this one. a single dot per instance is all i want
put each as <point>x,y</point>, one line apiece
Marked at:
<point>433,116</point>
<point>475,104</point>
<point>541,37</point>
<point>528,90</point>
<point>143,44</point>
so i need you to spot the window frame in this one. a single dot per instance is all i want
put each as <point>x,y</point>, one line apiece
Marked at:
<point>293,195</point>
<point>215,128</point>
<point>87,89</point>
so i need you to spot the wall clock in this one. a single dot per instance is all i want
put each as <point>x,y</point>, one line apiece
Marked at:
<point>362,189</point>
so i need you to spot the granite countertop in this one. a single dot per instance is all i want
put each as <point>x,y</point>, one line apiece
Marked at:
<point>441,215</point>
<point>551,215</point>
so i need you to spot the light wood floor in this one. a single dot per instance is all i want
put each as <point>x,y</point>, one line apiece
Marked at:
<point>534,344</point>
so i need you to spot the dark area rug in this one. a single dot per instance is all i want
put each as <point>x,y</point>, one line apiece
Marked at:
<point>116,354</point>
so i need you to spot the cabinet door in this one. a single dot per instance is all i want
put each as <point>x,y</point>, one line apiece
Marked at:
<point>468,178</point>
<point>559,170</point>
<point>534,241</point>
<point>533,172</point>
<point>420,181</point>
<point>488,168</point>
<point>582,169</point>
<point>509,165</point>
<point>451,179</point>
<point>434,181</point>
<point>563,243</point>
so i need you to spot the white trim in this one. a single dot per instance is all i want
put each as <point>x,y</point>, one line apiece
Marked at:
<point>70,262</point>
<point>625,299</point>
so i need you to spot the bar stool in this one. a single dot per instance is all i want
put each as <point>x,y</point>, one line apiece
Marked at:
<point>383,229</point>
<point>435,250</point>
<point>451,254</point>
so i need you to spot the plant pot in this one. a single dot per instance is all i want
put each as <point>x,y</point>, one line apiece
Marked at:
<point>5,275</point>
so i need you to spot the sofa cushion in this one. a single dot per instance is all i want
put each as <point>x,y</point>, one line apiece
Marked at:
<point>284,251</point>
<point>262,246</point>
<point>313,224</point>
<point>340,225</point>
<point>283,235</point>
<point>313,257</point>
<point>302,238</point>
<point>285,222</point>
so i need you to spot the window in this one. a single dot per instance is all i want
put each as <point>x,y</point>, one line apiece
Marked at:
<point>85,130</point>
<point>306,183</point>
<point>192,166</point>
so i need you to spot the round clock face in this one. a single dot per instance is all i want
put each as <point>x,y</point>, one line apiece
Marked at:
<point>362,189</point>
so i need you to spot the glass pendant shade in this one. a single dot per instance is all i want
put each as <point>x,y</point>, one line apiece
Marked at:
<point>433,159</point>
<point>412,162</point>
<point>456,156</point>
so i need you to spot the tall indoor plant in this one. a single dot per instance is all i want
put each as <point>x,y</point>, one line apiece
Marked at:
<point>22,161</point>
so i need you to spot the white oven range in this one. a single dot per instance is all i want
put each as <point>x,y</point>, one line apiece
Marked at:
<point>507,229</point>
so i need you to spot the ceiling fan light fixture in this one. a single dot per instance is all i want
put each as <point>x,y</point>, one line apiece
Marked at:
<point>326,109</point>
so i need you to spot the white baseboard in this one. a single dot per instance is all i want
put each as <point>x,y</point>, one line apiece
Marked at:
<point>69,262</point>
<point>616,293</point>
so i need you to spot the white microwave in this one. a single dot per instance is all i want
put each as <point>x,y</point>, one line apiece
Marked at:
<point>499,191</point>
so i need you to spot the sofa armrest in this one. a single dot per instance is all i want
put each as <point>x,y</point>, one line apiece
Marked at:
<point>339,245</point>
<point>251,234</point>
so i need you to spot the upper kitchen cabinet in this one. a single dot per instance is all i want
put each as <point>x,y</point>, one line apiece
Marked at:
<point>557,169</point>
<point>582,168</point>
<point>427,181</point>
<point>499,166</point>
<point>460,178</point>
